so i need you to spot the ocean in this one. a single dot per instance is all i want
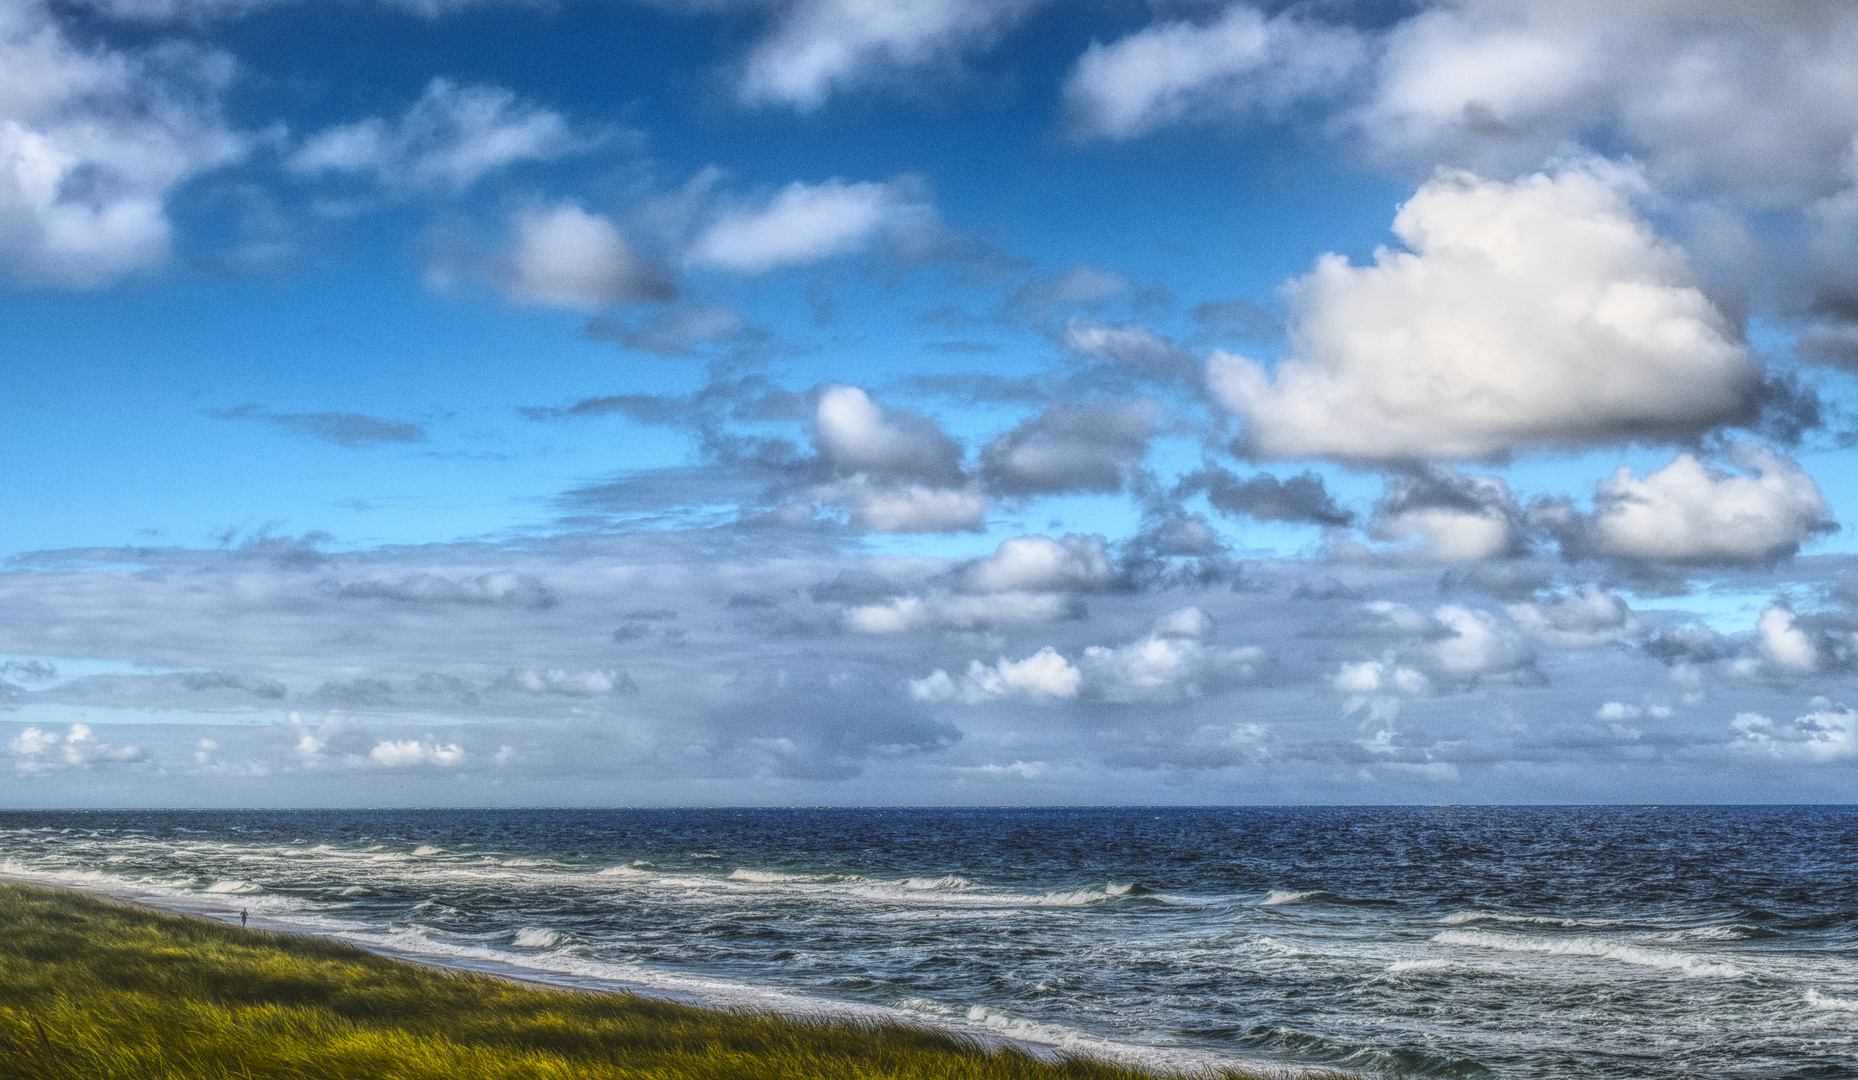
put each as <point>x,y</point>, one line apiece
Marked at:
<point>1516,942</point>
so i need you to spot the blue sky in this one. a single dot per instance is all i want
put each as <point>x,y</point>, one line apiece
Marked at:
<point>833,401</point>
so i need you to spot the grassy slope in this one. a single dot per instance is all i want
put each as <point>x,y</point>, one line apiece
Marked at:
<point>92,989</point>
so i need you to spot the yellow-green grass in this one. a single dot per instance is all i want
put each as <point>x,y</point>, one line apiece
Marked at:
<point>92,989</point>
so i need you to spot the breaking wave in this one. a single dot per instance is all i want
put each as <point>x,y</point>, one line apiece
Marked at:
<point>1689,964</point>
<point>1280,897</point>
<point>538,937</point>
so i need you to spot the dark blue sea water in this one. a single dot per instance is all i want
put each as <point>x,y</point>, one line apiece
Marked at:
<point>1717,942</point>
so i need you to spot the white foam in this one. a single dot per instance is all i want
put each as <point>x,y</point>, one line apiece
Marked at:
<point>1830,1003</point>
<point>1460,918</point>
<point>940,884</point>
<point>538,937</point>
<point>1084,897</point>
<point>1731,932</point>
<point>775,877</point>
<point>621,872</point>
<point>428,849</point>
<point>234,885</point>
<point>1277,897</point>
<point>1689,964</point>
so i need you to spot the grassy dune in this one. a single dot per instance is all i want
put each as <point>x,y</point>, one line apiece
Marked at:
<point>94,989</point>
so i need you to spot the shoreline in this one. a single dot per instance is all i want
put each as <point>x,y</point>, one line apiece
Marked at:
<point>1167,1062</point>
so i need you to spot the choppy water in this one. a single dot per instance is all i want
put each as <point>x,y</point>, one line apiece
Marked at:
<point>1401,942</point>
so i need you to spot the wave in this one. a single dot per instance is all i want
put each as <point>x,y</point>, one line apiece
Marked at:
<point>1072,1041</point>
<point>1279,897</point>
<point>537,937</point>
<point>1691,965</point>
<point>622,872</point>
<point>1730,932</point>
<point>1830,1003</point>
<point>1086,897</point>
<point>428,850</point>
<point>1461,918</point>
<point>775,877</point>
<point>941,884</point>
<point>233,885</point>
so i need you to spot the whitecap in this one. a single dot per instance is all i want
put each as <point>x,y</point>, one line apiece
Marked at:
<point>1277,897</point>
<point>940,884</point>
<point>1597,948</point>
<point>537,937</point>
<point>1089,896</point>
<point>621,872</point>
<point>1461,918</point>
<point>233,885</point>
<point>924,1006</point>
<point>1830,1003</point>
<point>1730,932</point>
<point>775,877</point>
<point>428,849</point>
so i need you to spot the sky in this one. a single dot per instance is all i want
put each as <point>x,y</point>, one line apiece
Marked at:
<point>980,402</point>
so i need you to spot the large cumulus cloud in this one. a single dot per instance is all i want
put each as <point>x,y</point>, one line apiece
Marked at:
<point>1542,312</point>
<point>94,142</point>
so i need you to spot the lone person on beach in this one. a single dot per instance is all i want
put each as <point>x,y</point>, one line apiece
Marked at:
<point>244,913</point>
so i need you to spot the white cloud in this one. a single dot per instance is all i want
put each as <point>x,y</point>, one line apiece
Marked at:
<point>1688,513</point>
<point>1043,676</point>
<point>448,139</point>
<point>1136,347</point>
<point>856,435</point>
<point>566,683</point>
<point>1454,646</point>
<point>1071,448</point>
<point>1171,662</point>
<point>1453,535</point>
<point>35,750</point>
<point>1733,97</point>
<point>1738,99</point>
<point>1456,517</point>
<point>1018,770</point>
<point>1785,645</point>
<point>1478,646</point>
<point>821,46</point>
<point>908,613</point>
<point>911,508</point>
<point>1829,733</point>
<point>403,753</point>
<point>1040,564</point>
<point>807,223</point>
<point>92,143</point>
<point>896,472</point>
<point>1588,618</point>
<point>566,257</point>
<point>1542,312</point>
<point>1379,677</point>
<point>1238,63</point>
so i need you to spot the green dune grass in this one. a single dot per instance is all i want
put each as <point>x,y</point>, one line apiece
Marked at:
<point>96,989</point>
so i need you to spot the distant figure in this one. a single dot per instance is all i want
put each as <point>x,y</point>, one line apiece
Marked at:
<point>244,913</point>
